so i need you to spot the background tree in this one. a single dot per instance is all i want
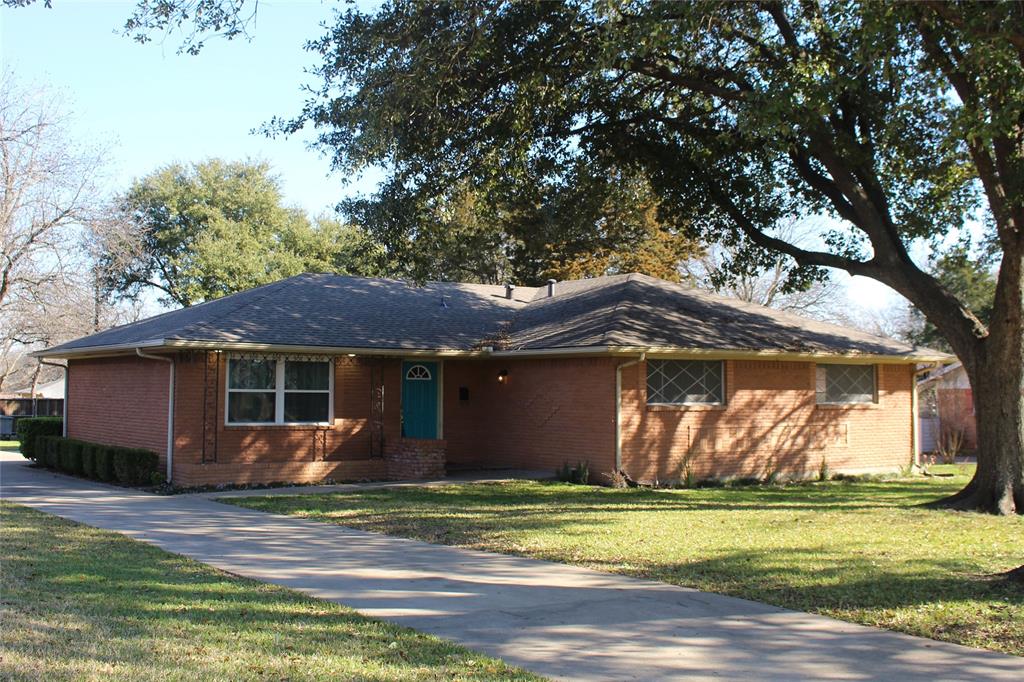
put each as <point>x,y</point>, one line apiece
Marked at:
<point>50,196</point>
<point>970,276</point>
<point>218,227</point>
<point>715,270</point>
<point>581,226</point>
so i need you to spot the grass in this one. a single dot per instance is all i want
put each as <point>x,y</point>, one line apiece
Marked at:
<point>857,551</point>
<point>81,603</point>
<point>9,445</point>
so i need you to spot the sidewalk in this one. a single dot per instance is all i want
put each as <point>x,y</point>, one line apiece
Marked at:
<point>561,621</point>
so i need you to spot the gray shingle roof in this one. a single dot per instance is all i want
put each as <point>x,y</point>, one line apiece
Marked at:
<point>622,311</point>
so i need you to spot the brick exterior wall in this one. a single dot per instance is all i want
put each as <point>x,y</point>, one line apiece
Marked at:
<point>770,422</point>
<point>415,458</point>
<point>119,401</point>
<point>547,412</point>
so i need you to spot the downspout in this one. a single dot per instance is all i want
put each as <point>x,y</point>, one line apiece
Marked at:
<point>618,407</point>
<point>915,417</point>
<point>170,408</point>
<point>64,416</point>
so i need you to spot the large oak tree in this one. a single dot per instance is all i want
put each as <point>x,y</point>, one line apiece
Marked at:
<point>900,120</point>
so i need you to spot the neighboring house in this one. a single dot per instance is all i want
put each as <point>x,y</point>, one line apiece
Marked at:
<point>948,404</point>
<point>323,376</point>
<point>51,390</point>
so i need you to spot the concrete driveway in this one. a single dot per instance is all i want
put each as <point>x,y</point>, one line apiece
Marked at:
<point>560,621</point>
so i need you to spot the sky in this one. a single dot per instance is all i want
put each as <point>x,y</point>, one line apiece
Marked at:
<point>150,106</point>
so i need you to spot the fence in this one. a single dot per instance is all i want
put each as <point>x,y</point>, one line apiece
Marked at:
<point>29,407</point>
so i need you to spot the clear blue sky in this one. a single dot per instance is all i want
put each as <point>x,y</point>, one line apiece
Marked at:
<point>153,106</point>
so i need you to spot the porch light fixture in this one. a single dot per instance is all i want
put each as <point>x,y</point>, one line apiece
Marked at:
<point>503,376</point>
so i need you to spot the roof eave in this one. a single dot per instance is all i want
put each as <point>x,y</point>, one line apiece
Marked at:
<point>568,351</point>
<point>725,354</point>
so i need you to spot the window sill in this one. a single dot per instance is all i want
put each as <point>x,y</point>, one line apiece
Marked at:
<point>684,407</point>
<point>301,426</point>
<point>847,406</point>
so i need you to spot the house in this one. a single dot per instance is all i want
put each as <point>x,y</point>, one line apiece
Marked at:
<point>50,390</point>
<point>947,406</point>
<point>324,376</point>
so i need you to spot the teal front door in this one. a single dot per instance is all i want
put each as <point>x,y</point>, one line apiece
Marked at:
<point>419,399</point>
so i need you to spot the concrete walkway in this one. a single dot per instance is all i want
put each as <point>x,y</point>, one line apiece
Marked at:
<point>559,621</point>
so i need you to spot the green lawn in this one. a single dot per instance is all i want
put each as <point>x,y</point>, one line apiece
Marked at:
<point>860,551</point>
<point>81,603</point>
<point>8,445</point>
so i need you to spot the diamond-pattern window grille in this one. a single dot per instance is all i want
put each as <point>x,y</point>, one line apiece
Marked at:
<point>845,383</point>
<point>682,382</point>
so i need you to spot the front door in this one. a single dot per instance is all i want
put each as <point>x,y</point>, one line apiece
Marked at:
<point>419,399</point>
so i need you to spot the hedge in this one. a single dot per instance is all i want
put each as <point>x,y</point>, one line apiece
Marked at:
<point>128,466</point>
<point>89,460</point>
<point>30,428</point>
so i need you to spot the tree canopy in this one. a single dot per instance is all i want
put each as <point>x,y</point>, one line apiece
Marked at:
<point>217,227</point>
<point>496,233</point>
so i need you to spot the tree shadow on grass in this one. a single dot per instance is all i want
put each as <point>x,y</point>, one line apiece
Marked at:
<point>95,601</point>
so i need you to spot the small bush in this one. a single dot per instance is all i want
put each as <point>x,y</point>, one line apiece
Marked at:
<point>581,474</point>
<point>134,466</point>
<point>824,474</point>
<point>89,460</point>
<point>103,463</point>
<point>616,479</point>
<point>50,451</point>
<point>29,429</point>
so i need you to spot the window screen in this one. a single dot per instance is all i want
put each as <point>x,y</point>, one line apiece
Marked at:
<point>682,382</point>
<point>845,384</point>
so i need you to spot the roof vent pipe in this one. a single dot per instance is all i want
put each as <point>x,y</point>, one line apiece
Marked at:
<point>509,288</point>
<point>551,287</point>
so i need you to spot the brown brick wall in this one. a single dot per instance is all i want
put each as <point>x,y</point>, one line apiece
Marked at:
<point>770,422</point>
<point>546,413</point>
<point>119,401</point>
<point>415,458</point>
<point>549,411</point>
<point>270,453</point>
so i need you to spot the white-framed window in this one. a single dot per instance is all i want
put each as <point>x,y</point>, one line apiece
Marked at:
<point>844,384</point>
<point>279,391</point>
<point>685,382</point>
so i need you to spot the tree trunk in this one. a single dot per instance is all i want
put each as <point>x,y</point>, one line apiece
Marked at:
<point>998,483</point>
<point>996,370</point>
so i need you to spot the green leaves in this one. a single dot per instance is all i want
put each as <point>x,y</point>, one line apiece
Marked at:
<point>218,227</point>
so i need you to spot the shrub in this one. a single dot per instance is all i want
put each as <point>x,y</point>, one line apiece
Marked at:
<point>30,428</point>
<point>134,466</point>
<point>103,462</point>
<point>581,474</point>
<point>617,479</point>
<point>89,460</point>
<point>564,473</point>
<point>64,455</point>
<point>578,474</point>
<point>50,451</point>
<point>73,448</point>
<point>824,473</point>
